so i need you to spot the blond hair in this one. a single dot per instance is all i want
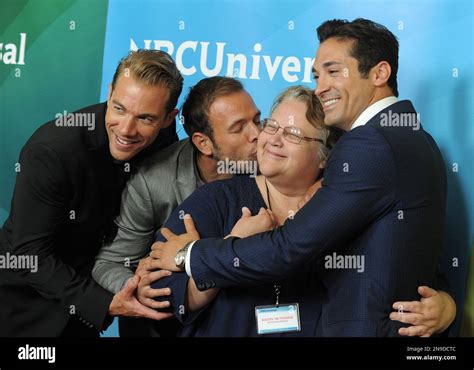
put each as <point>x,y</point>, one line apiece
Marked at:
<point>152,67</point>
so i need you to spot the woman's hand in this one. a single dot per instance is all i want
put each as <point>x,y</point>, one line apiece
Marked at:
<point>249,225</point>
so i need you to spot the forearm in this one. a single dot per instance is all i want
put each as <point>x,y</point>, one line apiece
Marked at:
<point>111,276</point>
<point>115,263</point>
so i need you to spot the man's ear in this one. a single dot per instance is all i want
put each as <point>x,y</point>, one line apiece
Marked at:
<point>170,117</point>
<point>203,143</point>
<point>381,73</point>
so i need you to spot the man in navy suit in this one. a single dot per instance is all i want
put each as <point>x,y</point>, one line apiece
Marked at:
<point>382,201</point>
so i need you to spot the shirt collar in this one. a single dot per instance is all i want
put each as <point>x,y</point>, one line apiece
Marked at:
<point>372,110</point>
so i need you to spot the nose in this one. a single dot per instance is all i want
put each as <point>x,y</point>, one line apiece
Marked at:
<point>321,86</point>
<point>128,127</point>
<point>253,132</point>
<point>277,138</point>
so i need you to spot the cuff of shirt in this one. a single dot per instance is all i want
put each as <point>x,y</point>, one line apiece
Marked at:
<point>187,263</point>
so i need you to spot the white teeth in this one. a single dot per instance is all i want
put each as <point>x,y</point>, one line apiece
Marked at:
<point>124,142</point>
<point>330,102</point>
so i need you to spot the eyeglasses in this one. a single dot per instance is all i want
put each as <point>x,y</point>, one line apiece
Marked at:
<point>292,134</point>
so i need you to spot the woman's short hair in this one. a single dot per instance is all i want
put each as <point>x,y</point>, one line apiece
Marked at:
<point>314,115</point>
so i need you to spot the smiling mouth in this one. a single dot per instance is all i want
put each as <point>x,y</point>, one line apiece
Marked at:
<point>273,154</point>
<point>124,143</point>
<point>328,104</point>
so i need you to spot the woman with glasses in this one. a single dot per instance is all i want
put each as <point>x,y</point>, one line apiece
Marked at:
<point>291,151</point>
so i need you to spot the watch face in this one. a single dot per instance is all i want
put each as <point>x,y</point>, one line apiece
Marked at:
<point>179,259</point>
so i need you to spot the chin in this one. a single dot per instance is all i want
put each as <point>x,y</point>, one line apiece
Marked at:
<point>122,156</point>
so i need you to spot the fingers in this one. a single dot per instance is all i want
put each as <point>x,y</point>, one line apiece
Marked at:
<point>154,315</point>
<point>414,331</point>
<point>426,292</point>
<point>167,233</point>
<point>190,227</point>
<point>142,263</point>
<point>246,212</point>
<point>146,293</point>
<point>407,318</point>
<point>152,265</point>
<point>153,276</point>
<point>151,303</point>
<point>412,306</point>
<point>156,245</point>
<point>144,267</point>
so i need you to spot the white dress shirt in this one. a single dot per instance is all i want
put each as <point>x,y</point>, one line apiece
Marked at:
<point>372,110</point>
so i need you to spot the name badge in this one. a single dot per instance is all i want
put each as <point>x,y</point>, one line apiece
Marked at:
<point>283,318</point>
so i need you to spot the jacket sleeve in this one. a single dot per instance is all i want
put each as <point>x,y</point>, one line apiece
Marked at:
<point>40,209</point>
<point>135,235</point>
<point>357,189</point>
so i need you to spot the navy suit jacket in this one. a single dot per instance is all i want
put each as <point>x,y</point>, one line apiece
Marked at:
<point>383,197</point>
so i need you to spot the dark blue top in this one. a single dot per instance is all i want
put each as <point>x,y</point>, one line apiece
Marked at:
<point>215,208</point>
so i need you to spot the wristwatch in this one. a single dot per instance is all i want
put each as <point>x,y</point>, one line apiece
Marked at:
<point>180,258</point>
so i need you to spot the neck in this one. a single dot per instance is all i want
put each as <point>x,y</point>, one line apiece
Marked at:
<point>378,95</point>
<point>207,167</point>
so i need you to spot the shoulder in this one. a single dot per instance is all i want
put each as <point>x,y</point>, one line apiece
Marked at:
<point>232,194</point>
<point>167,159</point>
<point>68,134</point>
<point>236,186</point>
<point>155,176</point>
<point>362,154</point>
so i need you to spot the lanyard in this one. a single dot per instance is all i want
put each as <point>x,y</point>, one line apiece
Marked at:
<point>276,285</point>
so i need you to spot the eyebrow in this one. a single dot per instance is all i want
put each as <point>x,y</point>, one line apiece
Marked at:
<point>327,65</point>
<point>118,103</point>
<point>330,63</point>
<point>243,120</point>
<point>147,115</point>
<point>141,115</point>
